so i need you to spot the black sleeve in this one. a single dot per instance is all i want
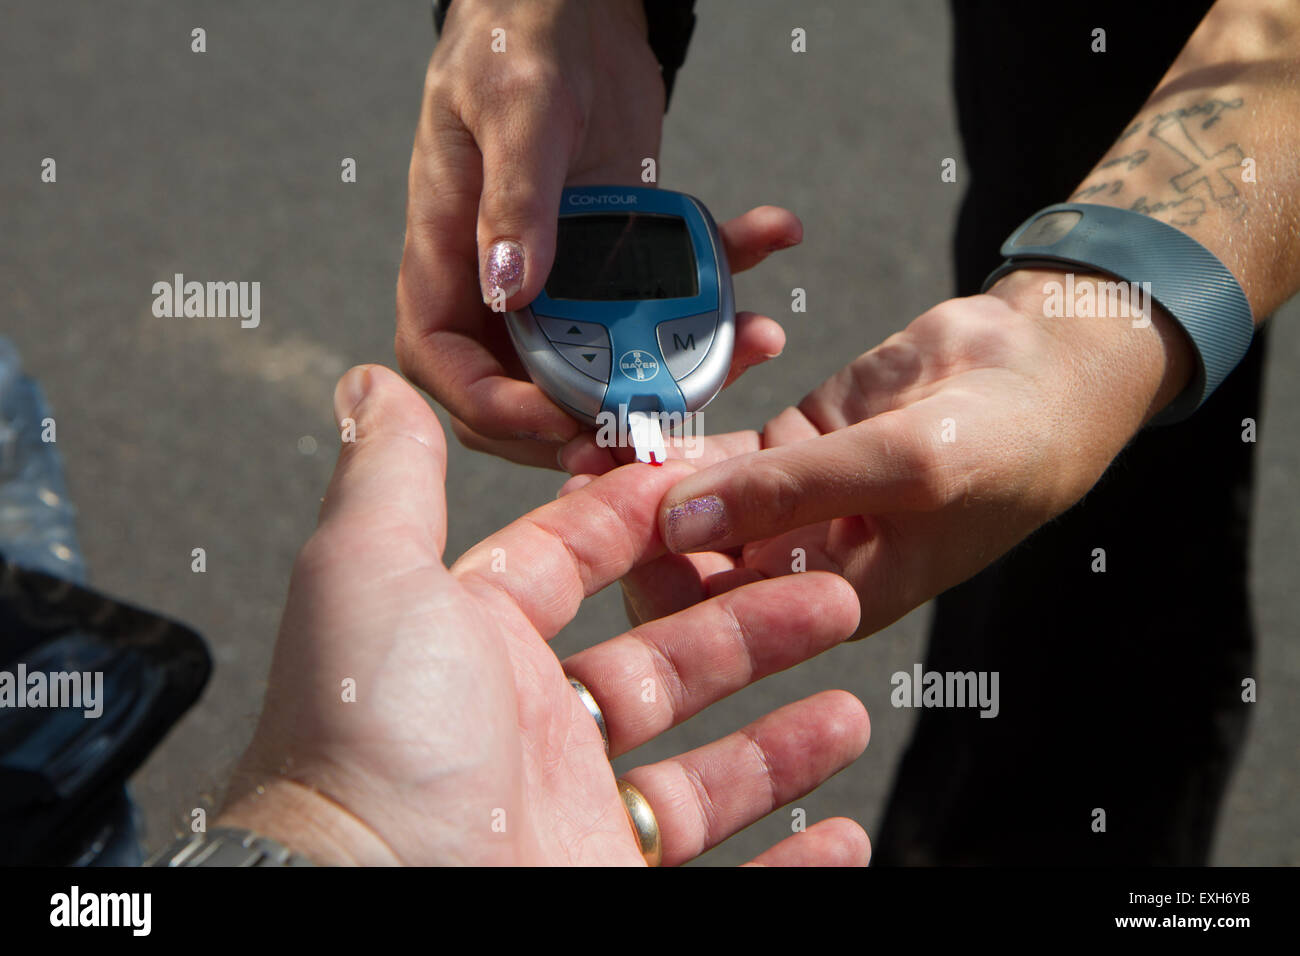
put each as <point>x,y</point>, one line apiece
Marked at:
<point>671,23</point>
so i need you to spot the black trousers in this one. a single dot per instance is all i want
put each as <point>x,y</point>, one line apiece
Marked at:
<point>1119,691</point>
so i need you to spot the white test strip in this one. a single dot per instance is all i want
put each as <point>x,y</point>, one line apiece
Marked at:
<point>647,438</point>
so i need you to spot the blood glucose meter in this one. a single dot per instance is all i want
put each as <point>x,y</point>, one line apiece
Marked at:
<point>637,317</point>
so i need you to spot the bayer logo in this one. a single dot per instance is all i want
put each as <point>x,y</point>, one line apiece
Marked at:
<point>638,366</point>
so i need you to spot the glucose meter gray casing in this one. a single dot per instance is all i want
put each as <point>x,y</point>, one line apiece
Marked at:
<point>624,324</point>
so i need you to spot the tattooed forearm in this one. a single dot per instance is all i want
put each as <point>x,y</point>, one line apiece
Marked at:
<point>1176,212</point>
<point>1213,150</point>
<point>1111,187</point>
<point>1207,113</point>
<point>1131,131</point>
<point>1132,160</point>
<point>1205,171</point>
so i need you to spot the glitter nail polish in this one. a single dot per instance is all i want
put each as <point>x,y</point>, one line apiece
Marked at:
<point>504,270</point>
<point>695,523</point>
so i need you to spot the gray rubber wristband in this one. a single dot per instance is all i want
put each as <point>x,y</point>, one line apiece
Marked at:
<point>1186,279</point>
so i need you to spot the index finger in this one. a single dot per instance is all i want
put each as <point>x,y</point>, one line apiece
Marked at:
<point>882,465</point>
<point>584,456</point>
<point>543,564</point>
<point>753,236</point>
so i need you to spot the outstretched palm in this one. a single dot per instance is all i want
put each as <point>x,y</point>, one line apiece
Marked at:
<point>464,741</point>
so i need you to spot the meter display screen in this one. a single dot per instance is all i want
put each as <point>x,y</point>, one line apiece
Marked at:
<point>623,256</point>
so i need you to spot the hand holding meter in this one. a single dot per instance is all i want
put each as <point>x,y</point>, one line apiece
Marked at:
<point>637,317</point>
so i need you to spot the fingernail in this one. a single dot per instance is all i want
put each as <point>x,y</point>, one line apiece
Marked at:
<point>695,523</point>
<point>349,392</point>
<point>575,483</point>
<point>503,273</point>
<point>549,438</point>
<point>567,456</point>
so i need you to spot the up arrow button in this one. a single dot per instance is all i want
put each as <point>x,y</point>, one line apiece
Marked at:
<point>569,332</point>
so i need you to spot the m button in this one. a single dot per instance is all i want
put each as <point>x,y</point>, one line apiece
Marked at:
<point>684,342</point>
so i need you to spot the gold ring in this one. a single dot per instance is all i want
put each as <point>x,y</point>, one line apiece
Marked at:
<point>593,708</point>
<point>644,825</point>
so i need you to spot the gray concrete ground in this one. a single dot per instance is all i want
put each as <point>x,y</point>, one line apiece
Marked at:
<point>183,434</point>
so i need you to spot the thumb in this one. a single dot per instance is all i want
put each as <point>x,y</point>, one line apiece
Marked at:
<point>392,466</point>
<point>878,466</point>
<point>525,162</point>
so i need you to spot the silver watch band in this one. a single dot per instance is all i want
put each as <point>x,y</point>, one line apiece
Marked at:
<point>227,846</point>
